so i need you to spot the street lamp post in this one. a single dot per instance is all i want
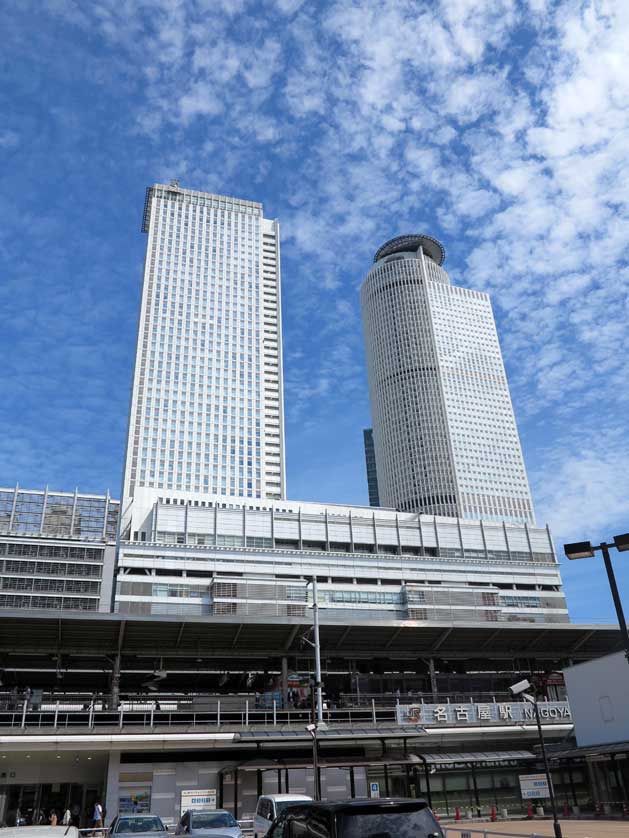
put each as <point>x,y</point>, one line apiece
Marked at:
<point>317,692</point>
<point>586,550</point>
<point>317,649</point>
<point>520,689</point>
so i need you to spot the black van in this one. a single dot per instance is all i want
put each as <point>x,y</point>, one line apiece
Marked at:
<point>370,818</point>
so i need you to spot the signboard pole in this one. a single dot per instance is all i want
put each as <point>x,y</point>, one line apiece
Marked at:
<point>553,805</point>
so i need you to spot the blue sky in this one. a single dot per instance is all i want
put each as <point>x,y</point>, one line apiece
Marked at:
<point>500,127</point>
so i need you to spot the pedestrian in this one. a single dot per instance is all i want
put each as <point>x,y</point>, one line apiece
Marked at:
<point>67,817</point>
<point>97,815</point>
<point>53,818</point>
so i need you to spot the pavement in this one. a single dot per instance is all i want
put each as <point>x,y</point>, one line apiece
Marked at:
<point>569,828</point>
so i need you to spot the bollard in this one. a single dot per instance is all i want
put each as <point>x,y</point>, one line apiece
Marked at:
<point>457,814</point>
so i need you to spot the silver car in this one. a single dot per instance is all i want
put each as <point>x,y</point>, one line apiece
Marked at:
<point>213,823</point>
<point>149,826</point>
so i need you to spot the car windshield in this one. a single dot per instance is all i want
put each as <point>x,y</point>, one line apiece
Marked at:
<point>412,824</point>
<point>212,820</point>
<point>150,823</point>
<point>281,805</point>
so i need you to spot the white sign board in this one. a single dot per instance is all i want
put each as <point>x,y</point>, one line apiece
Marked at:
<point>534,786</point>
<point>374,789</point>
<point>459,715</point>
<point>196,799</point>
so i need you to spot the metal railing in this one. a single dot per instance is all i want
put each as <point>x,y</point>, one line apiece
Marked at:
<point>152,712</point>
<point>415,696</point>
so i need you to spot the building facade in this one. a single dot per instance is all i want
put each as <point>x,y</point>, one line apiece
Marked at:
<point>370,464</point>
<point>57,550</point>
<point>217,556</point>
<point>206,409</point>
<point>444,431</point>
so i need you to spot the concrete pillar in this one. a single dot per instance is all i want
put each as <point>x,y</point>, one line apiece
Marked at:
<point>433,679</point>
<point>285,681</point>
<point>114,697</point>
<point>112,789</point>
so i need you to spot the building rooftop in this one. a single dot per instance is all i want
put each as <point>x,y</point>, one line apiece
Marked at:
<point>410,242</point>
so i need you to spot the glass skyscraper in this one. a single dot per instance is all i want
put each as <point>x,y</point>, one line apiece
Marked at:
<point>444,431</point>
<point>206,410</point>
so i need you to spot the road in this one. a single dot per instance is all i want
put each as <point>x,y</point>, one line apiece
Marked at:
<point>570,829</point>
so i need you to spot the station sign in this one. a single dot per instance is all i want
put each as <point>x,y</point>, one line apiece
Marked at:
<point>534,786</point>
<point>197,799</point>
<point>459,715</point>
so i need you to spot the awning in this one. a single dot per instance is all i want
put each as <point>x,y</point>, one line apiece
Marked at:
<point>592,751</point>
<point>406,732</point>
<point>325,762</point>
<point>478,757</point>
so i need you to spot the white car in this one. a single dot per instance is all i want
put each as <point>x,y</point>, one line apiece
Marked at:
<point>270,806</point>
<point>211,823</point>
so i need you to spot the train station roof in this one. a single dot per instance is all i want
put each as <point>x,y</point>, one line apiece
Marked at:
<point>246,637</point>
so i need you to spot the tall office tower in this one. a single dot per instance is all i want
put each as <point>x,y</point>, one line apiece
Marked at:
<point>370,463</point>
<point>445,436</point>
<point>207,411</point>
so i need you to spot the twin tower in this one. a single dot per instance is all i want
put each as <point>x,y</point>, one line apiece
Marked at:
<point>207,405</point>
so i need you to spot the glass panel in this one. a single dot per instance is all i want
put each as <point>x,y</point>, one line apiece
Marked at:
<point>6,505</point>
<point>58,517</point>
<point>28,512</point>
<point>89,520</point>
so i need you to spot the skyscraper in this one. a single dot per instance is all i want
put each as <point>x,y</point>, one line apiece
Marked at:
<point>445,436</point>
<point>206,410</point>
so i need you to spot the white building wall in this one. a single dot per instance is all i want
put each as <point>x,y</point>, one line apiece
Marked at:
<point>252,557</point>
<point>207,404</point>
<point>444,431</point>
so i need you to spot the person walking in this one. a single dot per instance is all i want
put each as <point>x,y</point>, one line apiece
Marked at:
<point>97,815</point>
<point>53,818</point>
<point>67,817</point>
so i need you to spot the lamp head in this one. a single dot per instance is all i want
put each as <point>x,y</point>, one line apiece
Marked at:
<point>621,542</point>
<point>581,550</point>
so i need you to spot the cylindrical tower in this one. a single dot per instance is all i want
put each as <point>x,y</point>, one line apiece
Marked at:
<point>414,459</point>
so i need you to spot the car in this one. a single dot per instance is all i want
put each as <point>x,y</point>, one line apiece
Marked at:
<point>369,818</point>
<point>137,825</point>
<point>270,806</point>
<point>209,822</point>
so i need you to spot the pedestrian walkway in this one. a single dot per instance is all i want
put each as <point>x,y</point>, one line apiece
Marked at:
<point>569,828</point>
